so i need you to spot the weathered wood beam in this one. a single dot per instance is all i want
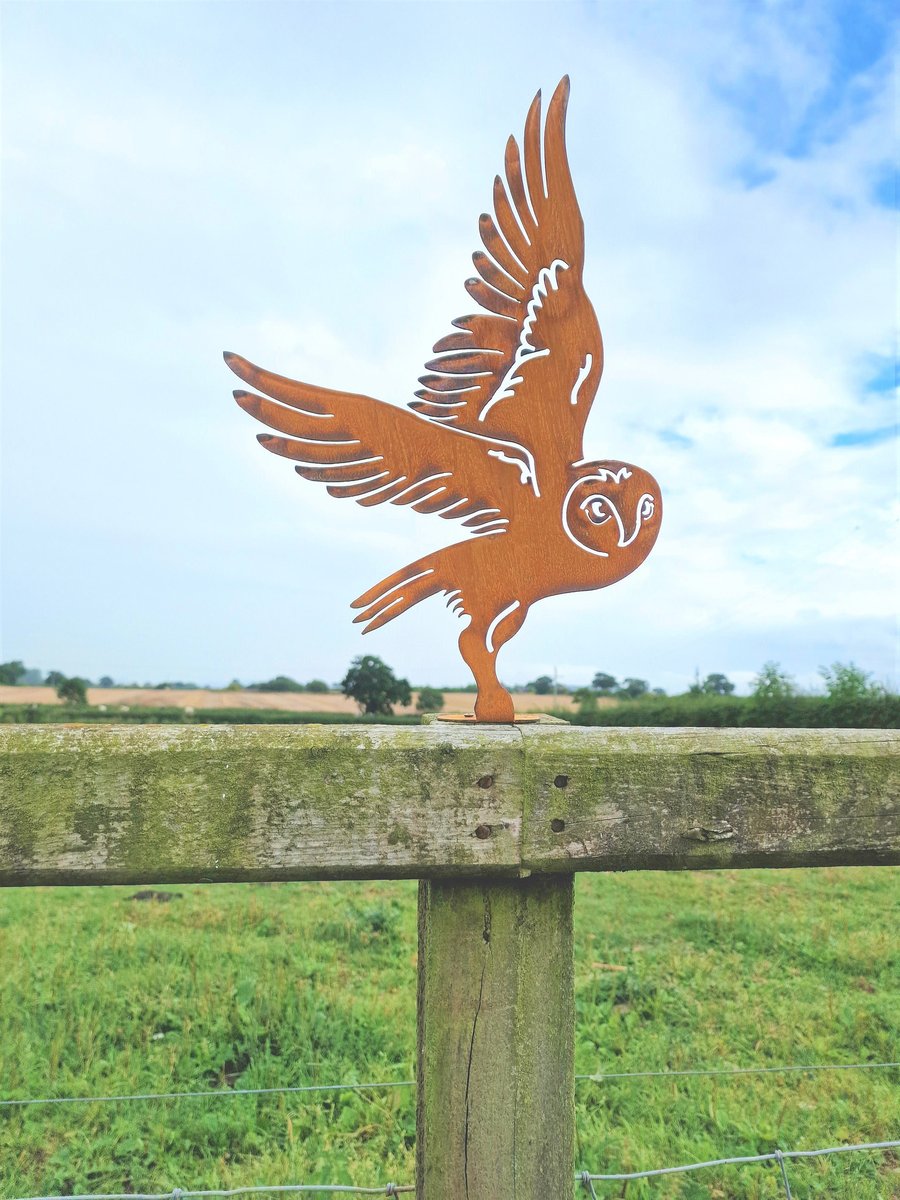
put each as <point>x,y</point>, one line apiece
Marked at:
<point>647,799</point>
<point>123,804</point>
<point>495,1102</point>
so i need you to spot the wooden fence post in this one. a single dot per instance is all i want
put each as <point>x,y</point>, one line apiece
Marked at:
<point>496,1110</point>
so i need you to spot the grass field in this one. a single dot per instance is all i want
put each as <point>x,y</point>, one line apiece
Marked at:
<point>286,984</point>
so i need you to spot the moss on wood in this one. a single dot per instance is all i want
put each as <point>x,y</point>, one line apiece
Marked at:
<point>167,803</point>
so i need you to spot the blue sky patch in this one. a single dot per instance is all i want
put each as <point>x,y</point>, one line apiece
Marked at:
<point>882,376</point>
<point>671,438</point>
<point>856,37</point>
<point>884,188</point>
<point>864,437</point>
<point>754,174</point>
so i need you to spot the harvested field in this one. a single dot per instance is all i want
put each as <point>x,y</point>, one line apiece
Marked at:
<point>331,702</point>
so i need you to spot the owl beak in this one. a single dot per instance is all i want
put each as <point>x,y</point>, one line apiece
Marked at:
<point>626,541</point>
<point>638,521</point>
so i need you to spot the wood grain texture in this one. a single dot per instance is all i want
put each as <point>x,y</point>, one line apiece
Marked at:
<point>495,1098</point>
<point>687,798</point>
<point>168,803</point>
<point>495,436</point>
<point>108,804</point>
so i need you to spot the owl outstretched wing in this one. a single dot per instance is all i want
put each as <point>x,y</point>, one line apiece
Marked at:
<point>376,453</point>
<point>525,370</point>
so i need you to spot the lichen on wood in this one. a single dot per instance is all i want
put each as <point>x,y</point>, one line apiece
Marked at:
<point>683,798</point>
<point>167,804</point>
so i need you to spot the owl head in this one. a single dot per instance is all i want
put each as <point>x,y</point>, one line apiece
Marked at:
<point>613,510</point>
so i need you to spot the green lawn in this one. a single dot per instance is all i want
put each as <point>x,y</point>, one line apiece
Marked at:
<point>287,984</point>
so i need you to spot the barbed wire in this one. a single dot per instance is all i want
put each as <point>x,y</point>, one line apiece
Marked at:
<point>596,1077</point>
<point>588,1178</point>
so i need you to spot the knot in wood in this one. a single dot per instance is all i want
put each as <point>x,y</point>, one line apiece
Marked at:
<point>714,831</point>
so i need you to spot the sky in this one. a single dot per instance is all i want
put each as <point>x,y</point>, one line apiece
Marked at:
<point>301,183</point>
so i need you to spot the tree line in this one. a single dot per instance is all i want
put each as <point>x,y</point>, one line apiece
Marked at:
<point>375,688</point>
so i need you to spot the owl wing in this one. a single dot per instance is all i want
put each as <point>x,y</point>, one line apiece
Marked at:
<point>376,453</point>
<point>525,369</point>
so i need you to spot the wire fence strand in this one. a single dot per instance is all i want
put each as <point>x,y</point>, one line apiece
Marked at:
<point>597,1077</point>
<point>214,1093</point>
<point>602,1076</point>
<point>388,1189</point>
<point>587,1177</point>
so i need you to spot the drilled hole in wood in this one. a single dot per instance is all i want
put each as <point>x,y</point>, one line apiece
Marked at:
<point>561,781</point>
<point>486,781</point>
<point>557,825</point>
<point>483,831</point>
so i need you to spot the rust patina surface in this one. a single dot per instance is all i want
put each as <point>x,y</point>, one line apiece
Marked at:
<point>494,436</point>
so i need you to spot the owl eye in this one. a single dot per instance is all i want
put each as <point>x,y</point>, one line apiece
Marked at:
<point>646,509</point>
<point>597,513</point>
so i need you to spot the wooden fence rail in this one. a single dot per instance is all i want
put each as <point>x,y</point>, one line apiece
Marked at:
<point>494,821</point>
<point>120,804</point>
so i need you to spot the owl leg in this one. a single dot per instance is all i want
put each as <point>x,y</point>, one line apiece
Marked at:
<point>479,644</point>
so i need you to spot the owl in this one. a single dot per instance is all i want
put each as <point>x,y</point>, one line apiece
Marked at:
<point>493,439</point>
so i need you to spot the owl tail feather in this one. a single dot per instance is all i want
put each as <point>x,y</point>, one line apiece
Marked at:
<point>399,592</point>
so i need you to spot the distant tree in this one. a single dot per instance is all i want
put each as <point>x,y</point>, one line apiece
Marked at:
<point>586,699</point>
<point>658,692</point>
<point>106,681</point>
<point>73,691</point>
<point>318,686</point>
<point>33,677</point>
<point>281,683</point>
<point>235,686</point>
<point>11,672</point>
<point>603,682</point>
<point>54,679</point>
<point>772,683</point>
<point>630,689</point>
<point>542,686</point>
<point>429,700</point>
<point>846,681</point>
<point>717,685</point>
<point>374,686</point>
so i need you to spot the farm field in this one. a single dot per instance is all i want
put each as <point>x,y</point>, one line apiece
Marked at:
<point>330,702</point>
<point>299,984</point>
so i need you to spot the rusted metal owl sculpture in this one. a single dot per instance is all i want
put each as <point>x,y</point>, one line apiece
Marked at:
<point>494,437</point>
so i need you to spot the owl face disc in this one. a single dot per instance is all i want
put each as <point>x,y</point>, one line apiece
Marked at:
<point>613,510</point>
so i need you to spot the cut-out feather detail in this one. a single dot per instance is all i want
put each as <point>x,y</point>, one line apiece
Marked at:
<point>369,451</point>
<point>536,222</point>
